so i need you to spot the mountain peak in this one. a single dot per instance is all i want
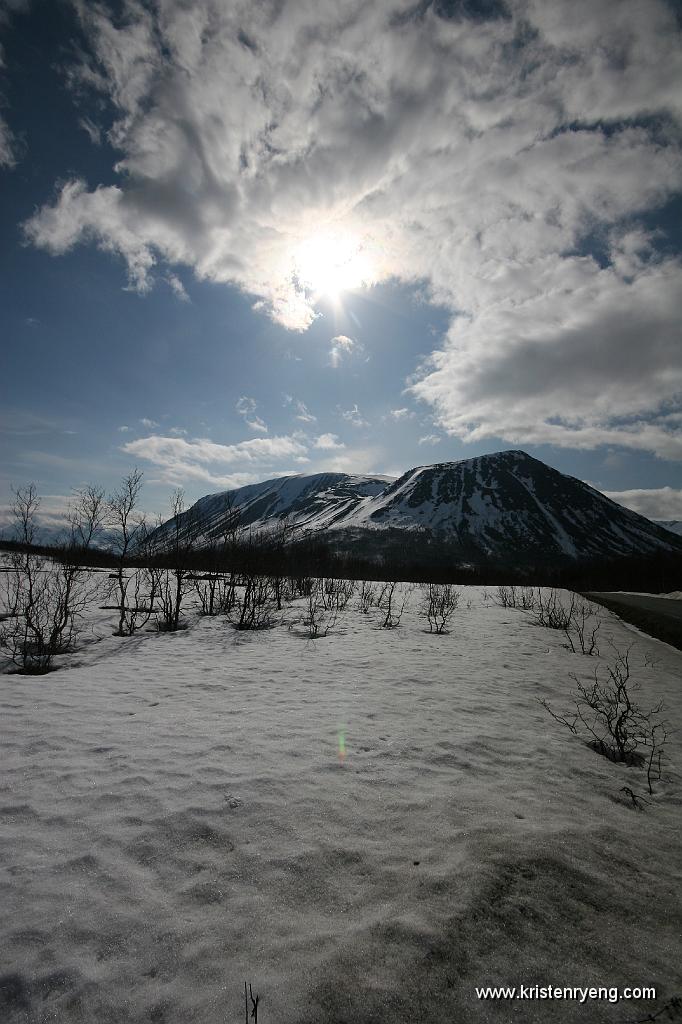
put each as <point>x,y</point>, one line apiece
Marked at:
<point>506,506</point>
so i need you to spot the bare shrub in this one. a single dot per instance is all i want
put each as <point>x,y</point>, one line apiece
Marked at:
<point>216,589</point>
<point>367,596</point>
<point>337,593</point>
<point>174,582</point>
<point>87,515</point>
<point>392,601</point>
<point>45,599</point>
<point>605,711</point>
<point>321,614</point>
<point>513,597</point>
<point>550,611</point>
<point>505,597</point>
<point>439,604</point>
<point>216,593</point>
<point>582,630</point>
<point>134,590</point>
<point>207,589</point>
<point>302,585</point>
<point>255,610</point>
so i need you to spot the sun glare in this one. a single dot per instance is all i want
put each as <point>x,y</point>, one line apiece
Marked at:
<point>329,264</point>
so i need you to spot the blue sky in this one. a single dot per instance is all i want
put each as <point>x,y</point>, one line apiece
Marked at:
<point>239,242</point>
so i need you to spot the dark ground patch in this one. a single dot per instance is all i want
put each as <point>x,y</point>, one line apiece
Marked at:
<point>660,617</point>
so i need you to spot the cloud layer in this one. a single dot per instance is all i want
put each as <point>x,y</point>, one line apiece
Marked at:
<point>180,461</point>
<point>655,503</point>
<point>504,163</point>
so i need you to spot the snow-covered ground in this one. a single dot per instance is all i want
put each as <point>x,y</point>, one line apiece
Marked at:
<point>177,818</point>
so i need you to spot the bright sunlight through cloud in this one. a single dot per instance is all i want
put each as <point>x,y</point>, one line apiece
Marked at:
<point>330,263</point>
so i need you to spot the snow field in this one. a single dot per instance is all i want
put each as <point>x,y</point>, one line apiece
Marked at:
<point>176,819</point>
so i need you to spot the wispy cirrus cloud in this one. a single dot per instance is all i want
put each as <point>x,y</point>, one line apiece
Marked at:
<point>302,412</point>
<point>353,416</point>
<point>246,407</point>
<point>507,162</point>
<point>10,145</point>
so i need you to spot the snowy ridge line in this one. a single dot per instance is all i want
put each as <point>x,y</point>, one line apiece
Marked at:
<point>503,506</point>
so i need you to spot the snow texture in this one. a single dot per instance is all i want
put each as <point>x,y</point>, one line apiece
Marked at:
<point>176,819</point>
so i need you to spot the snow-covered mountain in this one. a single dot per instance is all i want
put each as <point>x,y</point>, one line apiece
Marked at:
<point>507,506</point>
<point>312,502</point>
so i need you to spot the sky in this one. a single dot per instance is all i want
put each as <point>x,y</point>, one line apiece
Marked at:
<point>244,240</point>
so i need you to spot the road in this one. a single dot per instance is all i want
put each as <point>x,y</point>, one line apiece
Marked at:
<point>660,617</point>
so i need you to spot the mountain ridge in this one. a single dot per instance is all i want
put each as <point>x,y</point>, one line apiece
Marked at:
<point>507,506</point>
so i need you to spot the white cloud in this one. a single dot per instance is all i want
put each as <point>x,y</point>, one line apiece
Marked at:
<point>148,424</point>
<point>10,146</point>
<point>178,287</point>
<point>351,460</point>
<point>328,442</point>
<point>565,364</point>
<point>430,439</point>
<point>7,145</point>
<point>52,514</point>
<point>182,461</point>
<point>401,414</point>
<point>354,417</point>
<point>655,503</point>
<point>246,407</point>
<point>91,130</point>
<point>475,156</point>
<point>341,347</point>
<point>257,424</point>
<point>303,413</point>
<point>124,429</point>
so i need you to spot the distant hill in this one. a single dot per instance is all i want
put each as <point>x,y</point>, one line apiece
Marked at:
<point>507,507</point>
<point>674,525</point>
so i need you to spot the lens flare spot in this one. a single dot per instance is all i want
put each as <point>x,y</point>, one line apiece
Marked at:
<point>342,746</point>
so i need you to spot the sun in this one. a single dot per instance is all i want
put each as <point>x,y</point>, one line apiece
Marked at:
<point>331,263</point>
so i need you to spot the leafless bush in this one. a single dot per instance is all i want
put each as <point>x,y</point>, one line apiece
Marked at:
<point>617,727</point>
<point>550,611</point>
<point>392,601</point>
<point>367,595</point>
<point>514,597</point>
<point>134,590</point>
<point>256,609</point>
<point>140,588</point>
<point>215,592</point>
<point>505,597</point>
<point>582,630</point>
<point>87,515</point>
<point>321,614</point>
<point>337,593</point>
<point>208,588</point>
<point>302,586</point>
<point>45,600</point>
<point>439,604</point>
<point>174,582</point>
